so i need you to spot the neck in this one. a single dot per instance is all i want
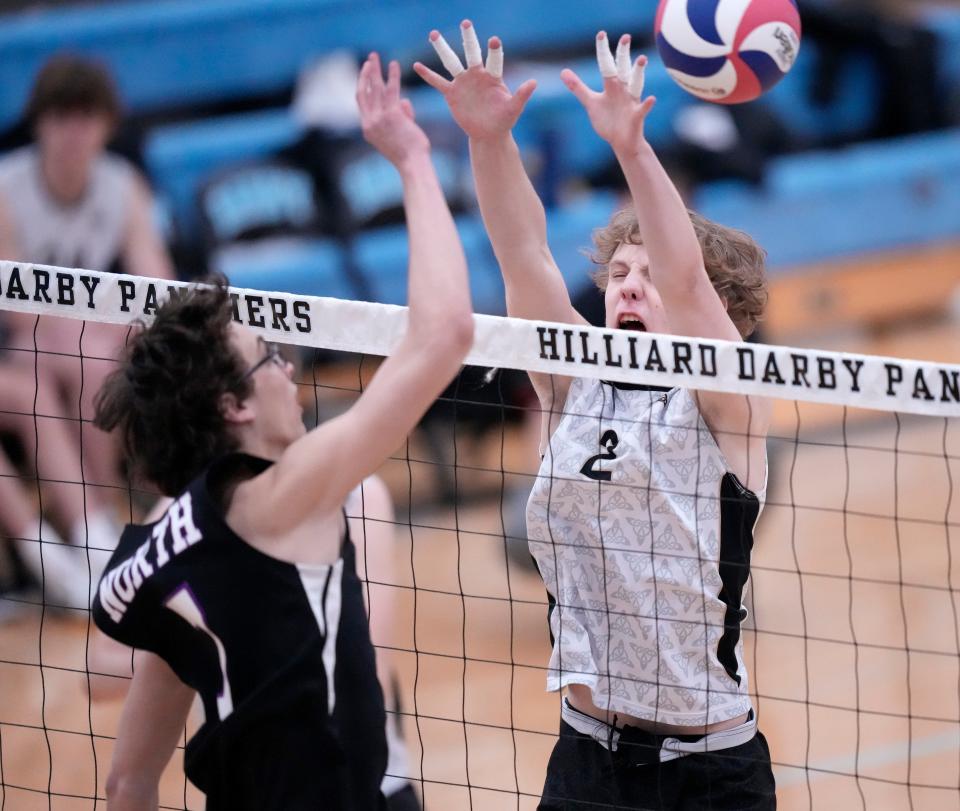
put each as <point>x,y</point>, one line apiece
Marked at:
<point>65,184</point>
<point>262,447</point>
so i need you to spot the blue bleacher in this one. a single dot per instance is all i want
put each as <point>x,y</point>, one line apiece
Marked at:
<point>382,256</point>
<point>180,52</point>
<point>174,52</point>
<point>865,198</point>
<point>319,267</point>
<point>181,157</point>
<point>554,125</point>
<point>569,230</point>
<point>311,267</point>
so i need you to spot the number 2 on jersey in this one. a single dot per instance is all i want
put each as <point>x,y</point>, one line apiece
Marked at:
<point>609,442</point>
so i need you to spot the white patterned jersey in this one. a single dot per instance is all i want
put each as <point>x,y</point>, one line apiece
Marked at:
<point>643,536</point>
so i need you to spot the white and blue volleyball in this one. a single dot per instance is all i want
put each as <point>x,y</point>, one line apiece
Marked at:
<point>728,51</point>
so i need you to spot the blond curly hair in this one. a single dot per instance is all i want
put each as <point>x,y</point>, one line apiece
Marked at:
<point>733,260</point>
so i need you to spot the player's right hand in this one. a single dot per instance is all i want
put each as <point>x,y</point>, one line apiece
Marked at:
<point>479,100</point>
<point>386,119</point>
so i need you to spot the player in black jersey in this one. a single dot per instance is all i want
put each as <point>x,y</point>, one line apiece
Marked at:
<point>245,590</point>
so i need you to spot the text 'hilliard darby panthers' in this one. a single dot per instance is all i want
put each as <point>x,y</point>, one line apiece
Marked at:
<point>754,363</point>
<point>629,357</point>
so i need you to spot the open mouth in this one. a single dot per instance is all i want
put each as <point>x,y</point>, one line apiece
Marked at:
<point>631,322</point>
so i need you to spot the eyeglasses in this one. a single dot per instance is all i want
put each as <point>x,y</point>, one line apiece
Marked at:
<point>273,356</point>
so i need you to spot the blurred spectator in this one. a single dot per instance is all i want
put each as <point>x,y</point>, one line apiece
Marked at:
<point>65,201</point>
<point>715,142</point>
<point>31,411</point>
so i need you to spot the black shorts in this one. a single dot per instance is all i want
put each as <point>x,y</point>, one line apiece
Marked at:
<point>404,800</point>
<point>583,775</point>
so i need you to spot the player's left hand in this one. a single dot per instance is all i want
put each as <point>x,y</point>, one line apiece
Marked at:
<point>619,111</point>
<point>387,119</point>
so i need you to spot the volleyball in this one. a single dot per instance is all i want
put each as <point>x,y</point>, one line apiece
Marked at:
<point>728,51</point>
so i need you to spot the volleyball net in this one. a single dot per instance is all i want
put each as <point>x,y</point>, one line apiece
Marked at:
<point>852,636</point>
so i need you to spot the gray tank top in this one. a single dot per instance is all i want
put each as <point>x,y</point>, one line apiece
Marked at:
<point>86,234</point>
<point>643,538</point>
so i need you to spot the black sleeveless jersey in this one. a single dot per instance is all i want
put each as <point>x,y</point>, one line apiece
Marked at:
<point>279,653</point>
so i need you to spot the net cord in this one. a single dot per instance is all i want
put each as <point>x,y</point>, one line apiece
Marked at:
<point>810,375</point>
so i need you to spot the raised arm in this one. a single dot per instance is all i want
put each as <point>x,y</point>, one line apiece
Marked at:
<point>618,114</point>
<point>487,111</point>
<point>677,270</point>
<point>315,474</point>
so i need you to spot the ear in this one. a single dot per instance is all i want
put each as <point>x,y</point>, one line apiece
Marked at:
<point>234,411</point>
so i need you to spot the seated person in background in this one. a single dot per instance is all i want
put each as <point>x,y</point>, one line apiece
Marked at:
<point>246,591</point>
<point>65,201</point>
<point>31,412</point>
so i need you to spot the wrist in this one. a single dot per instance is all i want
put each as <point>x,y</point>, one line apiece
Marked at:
<point>633,151</point>
<point>494,141</point>
<point>414,161</point>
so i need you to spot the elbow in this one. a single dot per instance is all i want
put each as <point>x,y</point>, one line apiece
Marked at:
<point>127,792</point>
<point>453,343</point>
<point>456,339</point>
<point>460,334</point>
<point>447,338</point>
<point>446,344</point>
<point>114,788</point>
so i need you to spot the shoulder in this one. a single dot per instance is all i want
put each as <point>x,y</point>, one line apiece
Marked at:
<point>562,391</point>
<point>248,495</point>
<point>682,401</point>
<point>115,601</point>
<point>116,176</point>
<point>117,166</point>
<point>22,156</point>
<point>16,165</point>
<point>223,477</point>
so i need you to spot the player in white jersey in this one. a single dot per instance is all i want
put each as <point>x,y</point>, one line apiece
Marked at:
<point>642,516</point>
<point>66,201</point>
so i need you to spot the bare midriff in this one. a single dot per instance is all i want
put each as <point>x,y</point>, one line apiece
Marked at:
<point>579,697</point>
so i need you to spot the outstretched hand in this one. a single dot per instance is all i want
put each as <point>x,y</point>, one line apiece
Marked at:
<point>619,111</point>
<point>479,100</point>
<point>386,119</point>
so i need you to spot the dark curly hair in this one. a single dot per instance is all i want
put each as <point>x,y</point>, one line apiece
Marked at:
<point>165,395</point>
